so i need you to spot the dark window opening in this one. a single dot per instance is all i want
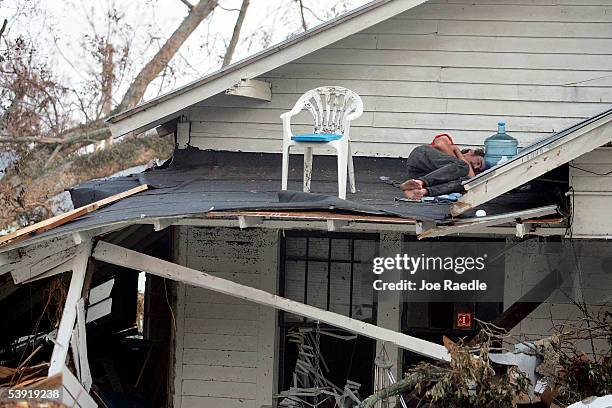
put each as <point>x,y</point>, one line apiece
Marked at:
<point>331,271</point>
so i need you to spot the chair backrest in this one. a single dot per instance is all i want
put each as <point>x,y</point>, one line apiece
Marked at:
<point>330,107</point>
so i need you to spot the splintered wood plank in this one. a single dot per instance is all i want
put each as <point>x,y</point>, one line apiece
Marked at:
<point>61,219</point>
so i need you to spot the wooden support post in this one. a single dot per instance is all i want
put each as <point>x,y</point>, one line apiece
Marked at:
<point>69,316</point>
<point>389,302</point>
<point>127,258</point>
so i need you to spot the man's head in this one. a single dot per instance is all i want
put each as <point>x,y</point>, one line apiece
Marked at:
<point>476,159</point>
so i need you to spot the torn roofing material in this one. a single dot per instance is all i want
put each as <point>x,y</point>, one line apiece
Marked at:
<point>196,182</point>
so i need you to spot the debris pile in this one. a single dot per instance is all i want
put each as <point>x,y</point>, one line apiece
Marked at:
<point>310,387</point>
<point>553,372</point>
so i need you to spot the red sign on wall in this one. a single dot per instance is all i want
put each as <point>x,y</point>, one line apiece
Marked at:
<point>464,321</point>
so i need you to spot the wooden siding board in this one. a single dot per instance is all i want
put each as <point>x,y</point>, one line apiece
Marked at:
<point>491,75</point>
<point>219,373</point>
<point>227,358</point>
<point>483,92</point>
<point>228,346</point>
<point>209,341</point>
<point>494,28</point>
<point>228,389</point>
<point>465,59</point>
<point>456,66</point>
<point>510,12</point>
<point>230,312</point>
<point>463,43</point>
<point>235,327</point>
<point>399,104</point>
<point>395,120</point>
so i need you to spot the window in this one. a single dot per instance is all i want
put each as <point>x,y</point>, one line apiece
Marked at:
<point>329,271</point>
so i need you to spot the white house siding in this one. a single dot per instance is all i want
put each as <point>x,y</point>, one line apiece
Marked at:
<point>225,346</point>
<point>528,262</point>
<point>591,194</point>
<point>453,66</point>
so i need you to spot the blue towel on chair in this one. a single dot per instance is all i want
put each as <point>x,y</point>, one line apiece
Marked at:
<point>316,137</point>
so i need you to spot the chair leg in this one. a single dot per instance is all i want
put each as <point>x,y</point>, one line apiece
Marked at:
<point>351,170</point>
<point>285,170</point>
<point>307,169</point>
<point>342,169</point>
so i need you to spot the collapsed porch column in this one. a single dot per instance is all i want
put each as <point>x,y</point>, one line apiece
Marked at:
<point>69,315</point>
<point>124,257</point>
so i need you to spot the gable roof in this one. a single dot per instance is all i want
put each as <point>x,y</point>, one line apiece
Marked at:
<point>168,106</point>
<point>535,160</point>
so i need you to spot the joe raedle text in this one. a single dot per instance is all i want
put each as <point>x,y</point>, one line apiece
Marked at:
<point>441,276</point>
<point>424,285</point>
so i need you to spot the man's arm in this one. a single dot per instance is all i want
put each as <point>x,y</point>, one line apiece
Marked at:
<point>460,156</point>
<point>444,145</point>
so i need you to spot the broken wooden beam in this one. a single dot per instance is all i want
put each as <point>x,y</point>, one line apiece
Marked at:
<point>61,219</point>
<point>127,258</point>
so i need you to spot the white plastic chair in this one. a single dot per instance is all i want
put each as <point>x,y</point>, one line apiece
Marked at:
<point>332,108</point>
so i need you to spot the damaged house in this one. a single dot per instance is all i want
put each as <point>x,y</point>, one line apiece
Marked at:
<point>254,296</point>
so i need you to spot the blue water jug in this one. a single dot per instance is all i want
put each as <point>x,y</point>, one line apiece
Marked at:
<point>499,145</point>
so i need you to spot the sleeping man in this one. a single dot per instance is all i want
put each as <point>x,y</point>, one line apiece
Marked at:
<point>440,168</point>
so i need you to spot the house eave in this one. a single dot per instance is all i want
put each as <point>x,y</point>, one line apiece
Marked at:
<point>168,106</point>
<point>560,149</point>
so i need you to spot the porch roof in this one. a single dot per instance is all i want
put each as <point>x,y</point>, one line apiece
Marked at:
<point>214,184</point>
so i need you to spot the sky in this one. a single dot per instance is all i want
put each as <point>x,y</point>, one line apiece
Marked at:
<point>61,26</point>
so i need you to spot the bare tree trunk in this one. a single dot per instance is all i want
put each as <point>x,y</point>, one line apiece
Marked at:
<point>150,71</point>
<point>229,53</point>
<point>108,76</point>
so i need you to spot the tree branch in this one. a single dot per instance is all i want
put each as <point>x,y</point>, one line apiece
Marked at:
<point>70,137</point>
<point>160,60</point>
<point>4,23</point>
<point>229,53</point>
<point>301,6</point>
<point>188,4</point>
